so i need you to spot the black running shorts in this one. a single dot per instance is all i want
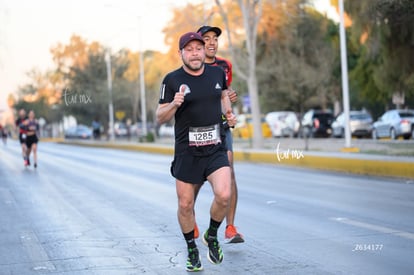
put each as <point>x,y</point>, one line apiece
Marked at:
<point>196,169</point>
<point>22,138</point>
<point>30,140</point>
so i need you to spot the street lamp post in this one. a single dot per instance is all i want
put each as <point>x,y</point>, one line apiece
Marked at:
<point>110,104</point>
<point>142,82</point>
<point>143,101</point>
<point>344,68</point>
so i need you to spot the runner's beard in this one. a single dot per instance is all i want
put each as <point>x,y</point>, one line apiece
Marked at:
<point>193,68</point>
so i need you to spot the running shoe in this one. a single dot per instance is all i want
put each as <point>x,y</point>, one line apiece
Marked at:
<point>35,165</point>
<point>232,236</point>
<point>196,232</point>
<point>193,260</point>
<point>26,163</point>
<point>215,254</point>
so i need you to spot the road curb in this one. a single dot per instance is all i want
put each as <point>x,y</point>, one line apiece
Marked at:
<point>347,163</point>
<point>354,165</point>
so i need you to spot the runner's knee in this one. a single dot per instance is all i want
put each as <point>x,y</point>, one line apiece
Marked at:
<point>185,206</point>
<point>223,197</point>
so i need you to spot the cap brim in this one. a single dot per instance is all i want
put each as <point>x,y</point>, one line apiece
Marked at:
<point>207,29</point>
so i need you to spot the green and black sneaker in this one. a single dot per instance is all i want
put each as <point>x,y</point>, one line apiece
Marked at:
<point>215,254</point>
<point>193,260</point>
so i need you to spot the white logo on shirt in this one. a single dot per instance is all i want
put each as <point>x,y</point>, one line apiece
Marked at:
<point>186,89</point>
<point>218,86</point>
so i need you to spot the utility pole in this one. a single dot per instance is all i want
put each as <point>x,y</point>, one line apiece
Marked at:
<point>344,69</point>
<point>142,82</point>
<point>110,104</point>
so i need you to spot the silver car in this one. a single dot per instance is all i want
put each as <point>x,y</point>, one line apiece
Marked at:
<point>283,123</point>
<point>360,124</point>
<point>394,124</point>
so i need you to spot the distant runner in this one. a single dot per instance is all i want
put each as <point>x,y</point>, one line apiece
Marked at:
<point>32,139</point>
<point>3,134</point>
<point>22,131</point>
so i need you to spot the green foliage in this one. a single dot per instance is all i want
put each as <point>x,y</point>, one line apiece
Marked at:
<point>298,63</point>
<point>295,72</point>
<point>387,56</point>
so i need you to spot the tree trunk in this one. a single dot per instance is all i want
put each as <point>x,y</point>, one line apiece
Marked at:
<point>251,13</point>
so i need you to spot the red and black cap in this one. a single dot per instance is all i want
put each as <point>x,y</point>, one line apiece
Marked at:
<point>189,36</point>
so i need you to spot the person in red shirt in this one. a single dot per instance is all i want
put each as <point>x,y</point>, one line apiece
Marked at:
<point>210,36</point>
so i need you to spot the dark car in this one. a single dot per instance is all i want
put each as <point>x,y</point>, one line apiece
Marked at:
<point>360,124</point>
<point>317,123</point>
<point>393,124</point>
<point>79,132</point>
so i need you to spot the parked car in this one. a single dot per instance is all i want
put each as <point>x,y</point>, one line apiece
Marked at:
<point>360,124</point>
<point>317,123</point>
<point>283,123</point>
<point>244,127</point>
<point>79,131</point>
<point>166,130</point>
<point>120,129</point>
<point>394,124</point>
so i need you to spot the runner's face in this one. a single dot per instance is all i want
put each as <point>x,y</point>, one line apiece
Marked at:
<point>193,55</point>
<point>211,40</point>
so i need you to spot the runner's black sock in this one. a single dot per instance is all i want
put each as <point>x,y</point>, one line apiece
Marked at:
<point>189,239</point>
<point>212,230</point>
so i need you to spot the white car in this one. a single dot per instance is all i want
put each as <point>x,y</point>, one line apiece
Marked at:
<point>166,130</point>
<point>120,129</point>
<point>283,123</point>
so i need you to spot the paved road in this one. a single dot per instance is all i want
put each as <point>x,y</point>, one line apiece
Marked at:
<point>102,211</point>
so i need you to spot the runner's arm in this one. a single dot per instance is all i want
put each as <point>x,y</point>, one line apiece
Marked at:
<point>232,94</point>
<point>226,108</point>
<point>166,111</point>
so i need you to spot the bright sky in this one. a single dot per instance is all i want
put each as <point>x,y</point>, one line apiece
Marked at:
<point>28,29</point>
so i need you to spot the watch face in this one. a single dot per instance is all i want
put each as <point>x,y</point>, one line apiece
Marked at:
<point>185,88</point>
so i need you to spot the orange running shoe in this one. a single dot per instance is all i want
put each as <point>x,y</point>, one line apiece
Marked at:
<point>232,236</point>
<point>196,232</point>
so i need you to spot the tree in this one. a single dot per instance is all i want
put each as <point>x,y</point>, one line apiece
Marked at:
<point>251,11</point>
<point>39,95</point>
<point>85,93</point>
<point>385,31</point>
<point>295,59</point>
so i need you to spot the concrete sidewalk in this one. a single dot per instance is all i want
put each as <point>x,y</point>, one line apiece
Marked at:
<point>284,152</point>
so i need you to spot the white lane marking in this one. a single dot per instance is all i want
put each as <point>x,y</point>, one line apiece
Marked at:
<point>35,251</point>
<point>377,228</point>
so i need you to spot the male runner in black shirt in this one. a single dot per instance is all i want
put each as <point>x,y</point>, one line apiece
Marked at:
<point>195,96</point>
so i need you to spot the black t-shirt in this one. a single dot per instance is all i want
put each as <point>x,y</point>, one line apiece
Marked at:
<point>201,106</point>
